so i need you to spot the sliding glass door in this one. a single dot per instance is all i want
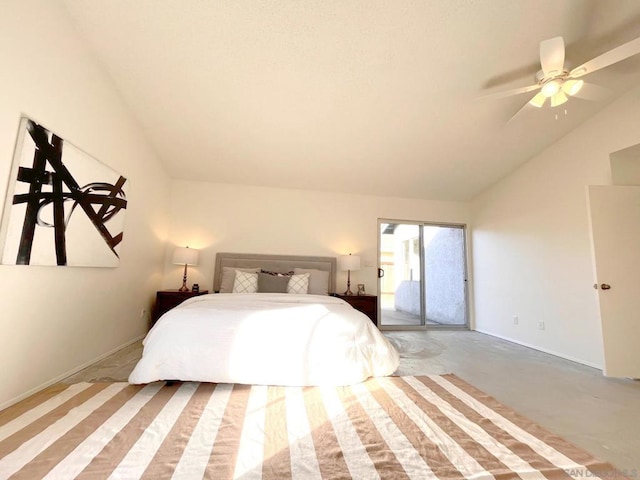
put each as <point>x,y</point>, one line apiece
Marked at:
<point>423,275</point>
<point>401,268</point>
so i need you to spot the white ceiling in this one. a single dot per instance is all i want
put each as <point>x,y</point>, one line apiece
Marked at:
<point>361,96</point>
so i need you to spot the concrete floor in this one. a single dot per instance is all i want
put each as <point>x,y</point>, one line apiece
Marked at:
<point>599,414</point>
<point>390,317</point>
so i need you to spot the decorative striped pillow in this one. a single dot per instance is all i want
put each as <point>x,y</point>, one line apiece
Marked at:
<point>278,274</point>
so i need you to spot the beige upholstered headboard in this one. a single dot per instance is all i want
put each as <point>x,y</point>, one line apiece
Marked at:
<point>276,263</point>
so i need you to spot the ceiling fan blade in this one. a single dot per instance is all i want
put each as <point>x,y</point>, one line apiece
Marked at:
<point>590,91</point>
<point>509,93</point>
<point>622,52</point>
<point>552,56</point>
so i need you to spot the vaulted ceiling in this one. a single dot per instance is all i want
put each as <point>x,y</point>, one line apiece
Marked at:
<point>363,96</point>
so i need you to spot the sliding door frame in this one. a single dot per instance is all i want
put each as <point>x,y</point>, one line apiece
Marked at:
<point>463,228</point>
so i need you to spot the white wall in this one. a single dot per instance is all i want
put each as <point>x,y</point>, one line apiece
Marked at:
<point>231,218</point>
<point>625,166</point>
<point>531,247</point>
<point>55,319</point>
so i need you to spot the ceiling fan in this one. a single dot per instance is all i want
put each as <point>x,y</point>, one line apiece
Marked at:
<point>557,83</point>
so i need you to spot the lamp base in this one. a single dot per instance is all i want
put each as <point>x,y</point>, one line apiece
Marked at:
<point>184,287</point>
<point>348,292</point>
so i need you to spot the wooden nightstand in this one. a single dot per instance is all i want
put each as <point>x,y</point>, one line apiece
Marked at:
<point>367,304</point>
<point>167,299</point>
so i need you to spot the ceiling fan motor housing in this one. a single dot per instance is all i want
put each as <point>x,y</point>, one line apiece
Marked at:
<point>540,78</point>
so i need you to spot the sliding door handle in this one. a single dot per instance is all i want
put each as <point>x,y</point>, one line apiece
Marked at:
<point>380,273</point>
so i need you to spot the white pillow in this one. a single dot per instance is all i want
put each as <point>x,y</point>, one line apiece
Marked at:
<point>245,282</point>
<point>298,283</point>
<point>229,276</point>
<point>318,280</point>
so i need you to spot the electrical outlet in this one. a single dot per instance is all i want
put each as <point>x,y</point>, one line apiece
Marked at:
<point>515,320</point>
<point>541,325</point>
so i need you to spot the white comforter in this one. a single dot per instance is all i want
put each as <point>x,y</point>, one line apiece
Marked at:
<point>265,339</point>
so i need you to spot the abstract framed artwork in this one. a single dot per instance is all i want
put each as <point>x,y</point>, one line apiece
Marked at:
<point>63,206</point>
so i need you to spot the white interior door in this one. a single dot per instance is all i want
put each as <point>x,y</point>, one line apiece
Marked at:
<point>615,235</point>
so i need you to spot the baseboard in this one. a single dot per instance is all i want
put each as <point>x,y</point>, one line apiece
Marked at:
<point>57,379</point>
<point>540,349</point>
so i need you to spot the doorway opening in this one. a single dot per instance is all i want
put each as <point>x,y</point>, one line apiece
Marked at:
<point>422,275</point>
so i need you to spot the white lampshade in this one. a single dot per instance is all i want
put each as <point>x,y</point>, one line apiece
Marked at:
<point>558,99</point>
<point>185,256</point>
<point>571,87</point>
<point>349,262</point>
<point>550,88</point>
<point>538,100</point>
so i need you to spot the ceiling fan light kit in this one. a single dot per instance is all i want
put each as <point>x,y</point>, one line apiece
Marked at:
<point>571,87</point>
<point>557,90</point>
<point>550,88</point>
<point>538,100</point>
<point>558,99</point>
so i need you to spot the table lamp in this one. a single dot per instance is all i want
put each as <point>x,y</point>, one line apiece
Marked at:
<point>348,263</point>
<point>185,256</point>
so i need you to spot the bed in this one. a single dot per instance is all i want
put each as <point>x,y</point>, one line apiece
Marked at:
<point>266,336</point>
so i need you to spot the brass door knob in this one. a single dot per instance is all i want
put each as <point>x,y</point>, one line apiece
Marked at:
<point>605,286</point>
